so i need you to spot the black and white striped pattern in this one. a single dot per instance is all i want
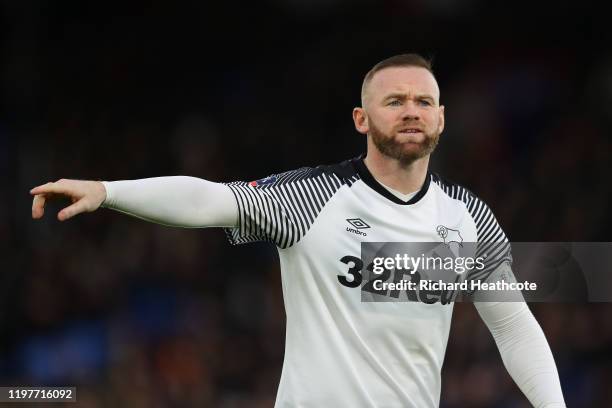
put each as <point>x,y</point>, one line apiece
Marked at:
<point>492,243</point>
<point>283,211</point>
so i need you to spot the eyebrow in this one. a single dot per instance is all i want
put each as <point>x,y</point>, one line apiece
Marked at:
<point>402,96</point>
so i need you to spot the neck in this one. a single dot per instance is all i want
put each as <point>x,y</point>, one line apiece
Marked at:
<point>405,178</point>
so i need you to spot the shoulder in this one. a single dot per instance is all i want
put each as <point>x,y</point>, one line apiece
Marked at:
<point>480,212</point>
<point>346,171</point>
<point>454,190</point>
<point>336,174</point>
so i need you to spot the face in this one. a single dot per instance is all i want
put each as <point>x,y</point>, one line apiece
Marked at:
<point>401,113</point>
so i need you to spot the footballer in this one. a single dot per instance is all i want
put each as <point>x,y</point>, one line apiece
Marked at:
<point>341,351</point>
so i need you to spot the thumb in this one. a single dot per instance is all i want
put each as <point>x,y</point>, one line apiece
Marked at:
<point>72,210</point>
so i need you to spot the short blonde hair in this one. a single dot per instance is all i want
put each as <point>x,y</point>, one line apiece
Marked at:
<point>401,60</point>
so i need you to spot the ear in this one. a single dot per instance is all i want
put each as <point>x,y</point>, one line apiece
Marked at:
<point>441,123</point>
<point>360,118</point>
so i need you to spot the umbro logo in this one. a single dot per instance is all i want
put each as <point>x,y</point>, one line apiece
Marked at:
<point>359,224</point>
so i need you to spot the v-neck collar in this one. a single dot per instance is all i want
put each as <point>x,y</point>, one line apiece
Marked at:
<point>369,179</point>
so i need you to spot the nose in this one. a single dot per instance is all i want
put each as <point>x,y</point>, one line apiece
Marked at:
<point>410,111</point>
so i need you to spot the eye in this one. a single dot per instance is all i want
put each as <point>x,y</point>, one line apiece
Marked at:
<point>425,102</point>
<point>394,102</point>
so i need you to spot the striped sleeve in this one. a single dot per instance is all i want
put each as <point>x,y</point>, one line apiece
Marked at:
<point>281,208</point>
<point>492,243</point>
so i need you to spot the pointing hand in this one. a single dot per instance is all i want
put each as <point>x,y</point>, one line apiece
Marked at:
<point>86,196</point>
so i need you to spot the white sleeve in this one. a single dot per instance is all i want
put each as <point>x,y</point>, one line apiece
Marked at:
<point>178,201</point>
<point>524,351</point>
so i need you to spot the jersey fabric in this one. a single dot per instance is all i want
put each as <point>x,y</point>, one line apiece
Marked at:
<point>339,350</point>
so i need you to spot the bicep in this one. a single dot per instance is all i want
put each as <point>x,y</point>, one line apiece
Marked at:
<point>217,206</point>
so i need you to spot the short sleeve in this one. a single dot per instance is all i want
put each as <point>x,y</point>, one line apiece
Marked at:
<point>492,244</point>
<point>282,207</point>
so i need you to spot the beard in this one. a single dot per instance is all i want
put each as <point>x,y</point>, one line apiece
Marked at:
<point>406,153</point>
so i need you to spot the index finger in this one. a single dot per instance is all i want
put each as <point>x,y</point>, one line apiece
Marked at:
<point>47,188</point>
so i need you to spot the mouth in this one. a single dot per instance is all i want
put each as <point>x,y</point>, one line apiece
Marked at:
<point>410,130</point>
<point>411,135</point>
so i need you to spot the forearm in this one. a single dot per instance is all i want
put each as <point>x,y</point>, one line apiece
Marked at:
<point>180,201</point>
<point>524,351</point>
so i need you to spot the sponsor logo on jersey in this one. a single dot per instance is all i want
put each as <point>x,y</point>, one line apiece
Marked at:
<point>449,235</point>
<point>359,224</point>
<point>263,181</point>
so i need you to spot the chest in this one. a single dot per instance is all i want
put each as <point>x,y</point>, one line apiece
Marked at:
<point>360,215</point>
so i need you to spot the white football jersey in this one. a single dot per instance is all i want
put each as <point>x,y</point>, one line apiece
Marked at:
<point>341,351</point>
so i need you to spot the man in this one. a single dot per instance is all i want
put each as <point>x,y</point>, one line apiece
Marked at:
<point>341,351</point>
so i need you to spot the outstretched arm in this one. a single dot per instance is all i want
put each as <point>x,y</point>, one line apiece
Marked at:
<point>176,201</point>
<point>524,351</point>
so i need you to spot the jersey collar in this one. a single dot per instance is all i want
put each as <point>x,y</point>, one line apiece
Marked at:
<point>367,178</point>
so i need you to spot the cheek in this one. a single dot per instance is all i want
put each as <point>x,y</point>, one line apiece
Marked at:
<point>378,120</point>
<point>431,118</point>
<point>388,119</point>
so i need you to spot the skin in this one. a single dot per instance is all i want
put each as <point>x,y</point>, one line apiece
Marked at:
<point>398,98</point>
<point>86,196</point>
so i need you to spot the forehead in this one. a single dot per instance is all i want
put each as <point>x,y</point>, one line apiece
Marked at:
<point>412,80</point>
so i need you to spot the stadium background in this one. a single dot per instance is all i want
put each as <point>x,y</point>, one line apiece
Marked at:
<point>139,315</point>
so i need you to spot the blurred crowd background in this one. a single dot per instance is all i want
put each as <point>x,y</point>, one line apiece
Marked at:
<point>140,315</point>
